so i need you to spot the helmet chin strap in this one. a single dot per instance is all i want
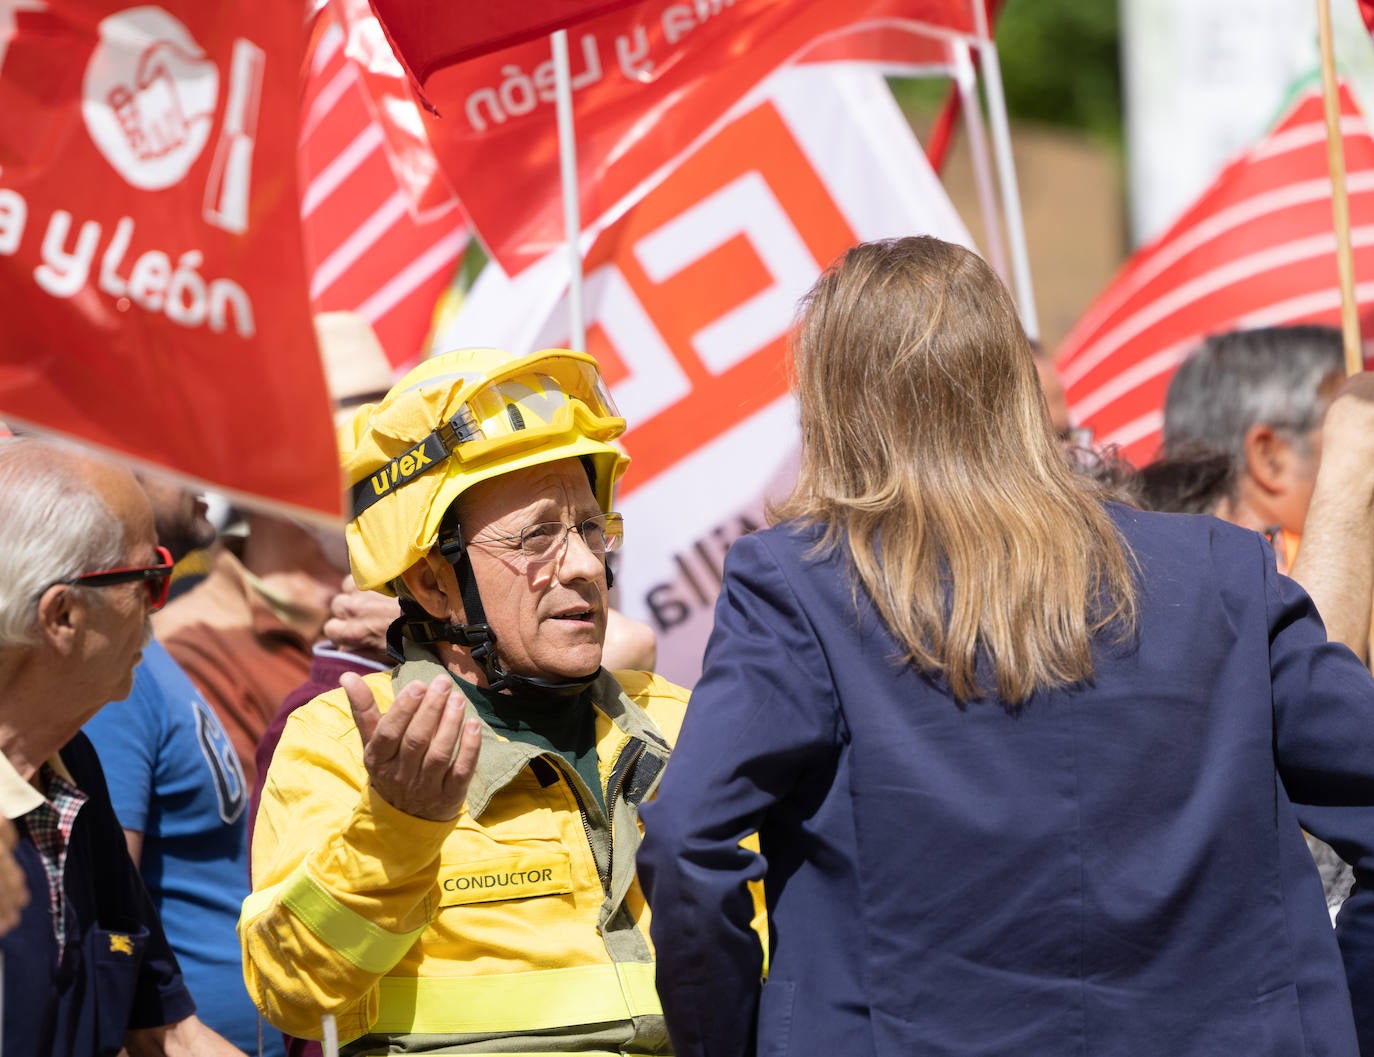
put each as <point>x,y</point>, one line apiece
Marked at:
<point>475,636</point>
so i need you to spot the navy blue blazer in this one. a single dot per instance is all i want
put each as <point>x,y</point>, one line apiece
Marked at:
<point>1117,869</point>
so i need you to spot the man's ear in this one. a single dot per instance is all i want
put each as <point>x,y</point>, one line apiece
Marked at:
<point>432,582</point>
<point>61,617</point>
<point>1269,458</point>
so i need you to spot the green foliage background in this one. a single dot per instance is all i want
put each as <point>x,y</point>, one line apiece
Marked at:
<point>1060,67</point>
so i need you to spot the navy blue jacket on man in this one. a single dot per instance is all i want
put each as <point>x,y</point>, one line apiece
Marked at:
<point>116,970</point>
<point>1113,870</point>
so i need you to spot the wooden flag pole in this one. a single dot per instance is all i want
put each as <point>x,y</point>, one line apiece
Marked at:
<point>1340,206</point>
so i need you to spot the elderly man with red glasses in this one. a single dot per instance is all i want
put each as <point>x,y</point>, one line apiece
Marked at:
<point>88,969</point>
<point>181,796</point>
<point>424,896</point>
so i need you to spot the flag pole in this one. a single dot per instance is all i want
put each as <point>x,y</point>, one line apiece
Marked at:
<point>966,81</point>
<point>567,167</point>
<point>1340,206</point>
<point>1006,170</point>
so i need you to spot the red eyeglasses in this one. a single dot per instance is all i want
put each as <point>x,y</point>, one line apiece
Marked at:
<point>157,578</point>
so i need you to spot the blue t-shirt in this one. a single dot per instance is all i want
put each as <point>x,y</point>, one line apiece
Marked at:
<point>174,777</point>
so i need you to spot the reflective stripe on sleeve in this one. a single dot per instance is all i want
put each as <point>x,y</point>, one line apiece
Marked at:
<point>370,948</point>
<point>512,1003</point>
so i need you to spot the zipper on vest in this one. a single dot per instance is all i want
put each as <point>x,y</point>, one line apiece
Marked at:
<point>622,768</point>
<point>603,870</point>
<point>624,765</point>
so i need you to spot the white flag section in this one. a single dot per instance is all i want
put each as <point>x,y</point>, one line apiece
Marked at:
<point>689,299</point>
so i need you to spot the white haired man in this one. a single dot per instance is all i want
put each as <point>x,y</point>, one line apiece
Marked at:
<point>91,972</point>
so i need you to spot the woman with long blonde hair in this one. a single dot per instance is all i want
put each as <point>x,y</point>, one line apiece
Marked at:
<point>928,455</point>
<point>1019,758</point>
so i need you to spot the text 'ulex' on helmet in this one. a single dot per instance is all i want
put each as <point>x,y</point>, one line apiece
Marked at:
<point>457,419</point>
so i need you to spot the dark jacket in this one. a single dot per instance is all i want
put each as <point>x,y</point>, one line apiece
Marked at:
<point>116,970</point>
<point>1115,869</point>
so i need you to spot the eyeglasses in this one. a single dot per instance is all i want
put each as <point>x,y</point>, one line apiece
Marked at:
<point>544,542</point>
<point>156,578</point>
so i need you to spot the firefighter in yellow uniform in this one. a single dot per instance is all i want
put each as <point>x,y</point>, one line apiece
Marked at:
<point>444,856</point>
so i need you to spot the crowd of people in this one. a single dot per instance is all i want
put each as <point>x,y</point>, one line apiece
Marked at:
<point>1001,746</point>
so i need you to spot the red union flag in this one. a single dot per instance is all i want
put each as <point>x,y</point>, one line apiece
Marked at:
<point>821,159</point>
<point>383,232</point>
<point>432,36</point>
<point>1256,249</point>
<point>648,81</point>
<point>150,259</point>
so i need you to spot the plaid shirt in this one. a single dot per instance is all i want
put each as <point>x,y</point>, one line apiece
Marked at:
<point>50,828</point>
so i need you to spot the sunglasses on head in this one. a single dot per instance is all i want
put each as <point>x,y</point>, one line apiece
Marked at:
<point>156,578</point>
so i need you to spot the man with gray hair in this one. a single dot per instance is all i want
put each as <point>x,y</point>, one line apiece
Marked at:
<point>90,971</point>
<point>1296,441</point>
<point>1259,396</point>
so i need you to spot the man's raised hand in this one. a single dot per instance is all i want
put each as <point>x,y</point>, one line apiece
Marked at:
<point>420,753</point>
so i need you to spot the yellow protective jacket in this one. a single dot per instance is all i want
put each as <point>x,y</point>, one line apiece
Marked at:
<point>517,926</point>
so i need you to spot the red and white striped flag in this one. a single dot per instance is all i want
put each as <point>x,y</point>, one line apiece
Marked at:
<point>383,233</point>
<point>1256,249</point>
